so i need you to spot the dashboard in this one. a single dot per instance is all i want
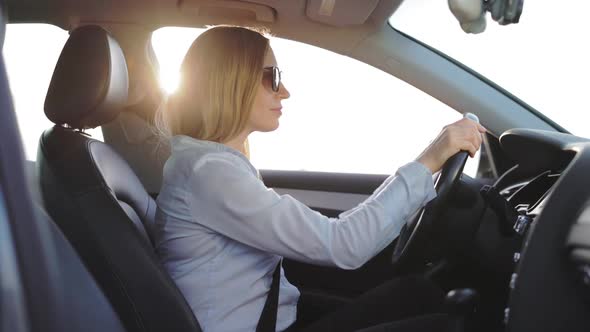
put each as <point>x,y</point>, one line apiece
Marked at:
<point>550,279</point>
<point>526,235</point>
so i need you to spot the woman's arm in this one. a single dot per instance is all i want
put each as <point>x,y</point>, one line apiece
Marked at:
<point>229,199</point>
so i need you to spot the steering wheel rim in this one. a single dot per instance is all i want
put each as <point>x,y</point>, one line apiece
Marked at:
<point>413,236</point>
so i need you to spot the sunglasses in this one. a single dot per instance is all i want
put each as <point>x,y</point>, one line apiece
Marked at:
<point>271,78</point>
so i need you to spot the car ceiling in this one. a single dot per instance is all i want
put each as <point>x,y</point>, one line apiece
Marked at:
<point>295,19</point>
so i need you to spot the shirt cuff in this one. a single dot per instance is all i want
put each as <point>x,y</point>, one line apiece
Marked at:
<point>420,180</point>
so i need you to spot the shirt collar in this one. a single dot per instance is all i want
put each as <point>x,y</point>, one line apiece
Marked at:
<point>183,141</point>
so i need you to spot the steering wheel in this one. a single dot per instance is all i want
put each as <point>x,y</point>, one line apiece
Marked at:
<point>415,234</point>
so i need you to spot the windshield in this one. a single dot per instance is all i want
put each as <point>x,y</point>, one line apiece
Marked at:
<point>543,59</point>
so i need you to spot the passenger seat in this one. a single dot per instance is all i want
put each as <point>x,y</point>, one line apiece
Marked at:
<point>94,196</point>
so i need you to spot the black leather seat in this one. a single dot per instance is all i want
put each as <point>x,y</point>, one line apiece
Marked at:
<point>50,289</point>
<point>94,196</point>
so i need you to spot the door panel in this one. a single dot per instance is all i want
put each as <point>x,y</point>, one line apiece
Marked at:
<point>323,181</point>
<point>328,203</point>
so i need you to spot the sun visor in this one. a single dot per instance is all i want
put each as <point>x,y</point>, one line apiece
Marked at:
<point>234,10</point>
<point>340,12</point>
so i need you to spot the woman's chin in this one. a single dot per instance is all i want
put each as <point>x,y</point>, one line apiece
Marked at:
<point>269,127</point>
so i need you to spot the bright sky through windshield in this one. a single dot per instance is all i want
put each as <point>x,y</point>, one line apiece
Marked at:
<point>544,59</point>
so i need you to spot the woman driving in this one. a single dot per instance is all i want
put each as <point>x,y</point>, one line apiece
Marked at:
<point>221,233</point>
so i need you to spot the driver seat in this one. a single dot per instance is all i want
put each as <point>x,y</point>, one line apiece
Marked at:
<point>92,193</point>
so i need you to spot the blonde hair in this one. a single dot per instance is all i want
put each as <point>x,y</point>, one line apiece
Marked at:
<point>220,75</point>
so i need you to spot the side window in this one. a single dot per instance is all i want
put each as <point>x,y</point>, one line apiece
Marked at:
<point>342,116</point>
<point>31,52</point>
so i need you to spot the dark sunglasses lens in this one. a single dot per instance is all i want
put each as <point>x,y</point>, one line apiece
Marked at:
<point>276,79</point>
<point>271,78</point>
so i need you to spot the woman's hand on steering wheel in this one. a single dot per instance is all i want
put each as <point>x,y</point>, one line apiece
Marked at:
<point>448,154</point>
<point>463,135</point>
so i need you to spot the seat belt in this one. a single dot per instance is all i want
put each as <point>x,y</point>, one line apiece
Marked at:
<point>268,317</point>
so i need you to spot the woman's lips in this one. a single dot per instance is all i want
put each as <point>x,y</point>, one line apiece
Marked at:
<point>278,109</point>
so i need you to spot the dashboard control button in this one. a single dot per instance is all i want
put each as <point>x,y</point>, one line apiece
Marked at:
<point>516,257</point>
<point>513,280</point>
<point>522,223</point>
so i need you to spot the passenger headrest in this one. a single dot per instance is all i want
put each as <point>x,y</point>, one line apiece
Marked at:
<point>90,82</point>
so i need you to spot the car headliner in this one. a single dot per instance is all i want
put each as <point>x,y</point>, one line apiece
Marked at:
<point>294,19</point>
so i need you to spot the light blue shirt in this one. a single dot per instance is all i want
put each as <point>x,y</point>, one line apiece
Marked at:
<point>220,232</point>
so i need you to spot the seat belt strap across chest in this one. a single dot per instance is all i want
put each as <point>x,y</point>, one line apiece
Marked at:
<point>268,317</point>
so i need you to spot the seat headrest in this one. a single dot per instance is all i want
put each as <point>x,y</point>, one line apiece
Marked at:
<point>90,82</point>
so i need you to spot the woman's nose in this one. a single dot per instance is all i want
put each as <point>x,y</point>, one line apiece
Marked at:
<point>283,92</point>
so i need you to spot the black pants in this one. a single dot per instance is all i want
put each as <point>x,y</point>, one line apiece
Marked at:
<point>402,304</point>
